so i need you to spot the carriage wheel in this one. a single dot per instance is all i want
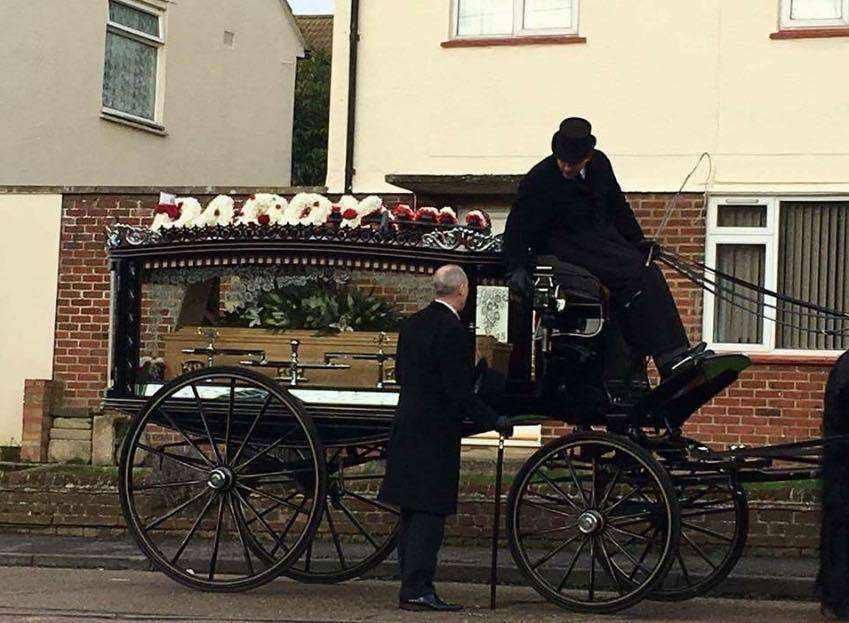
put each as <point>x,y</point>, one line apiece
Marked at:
<point>356,531</point>
<point>714,527</point>
<point>209,449</point>
<point>578,514</point>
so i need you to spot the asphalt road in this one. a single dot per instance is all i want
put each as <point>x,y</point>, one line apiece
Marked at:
<point>39,595</point>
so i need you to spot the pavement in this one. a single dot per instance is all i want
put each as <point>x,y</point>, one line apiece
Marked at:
<point>41,595</point>
<point>759,578</point>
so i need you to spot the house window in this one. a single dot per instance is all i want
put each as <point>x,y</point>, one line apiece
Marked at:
<point>506,18</point>
<point>132,73</point>
<point>814,13</point>
<point>795,247</point>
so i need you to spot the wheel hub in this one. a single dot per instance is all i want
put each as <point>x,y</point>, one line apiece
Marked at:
<point>220,478</point>
<point>590,522</point>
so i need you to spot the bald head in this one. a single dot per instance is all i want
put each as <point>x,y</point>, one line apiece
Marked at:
<point>449,280</point>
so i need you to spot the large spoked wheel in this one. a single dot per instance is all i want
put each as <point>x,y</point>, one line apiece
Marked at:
<point>356,531</point>
<point>714,527</point>
<point>216,460</point>
<point>580,513</point>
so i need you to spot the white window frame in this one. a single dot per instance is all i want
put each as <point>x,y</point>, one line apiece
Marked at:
<point>518,24</point>
<point>767,236</point>
<point>158,11</point>
<point>788,23</point>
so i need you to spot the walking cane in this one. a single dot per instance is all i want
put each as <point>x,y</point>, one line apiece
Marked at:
<point>493,572</point>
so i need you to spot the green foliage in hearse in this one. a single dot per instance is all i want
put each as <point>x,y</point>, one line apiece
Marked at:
<point>323,305</point>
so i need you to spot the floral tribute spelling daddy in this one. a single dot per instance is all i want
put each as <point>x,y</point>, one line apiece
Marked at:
<point>304,209</point>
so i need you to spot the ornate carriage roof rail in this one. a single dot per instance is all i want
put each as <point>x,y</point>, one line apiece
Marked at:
<point>411,247</point>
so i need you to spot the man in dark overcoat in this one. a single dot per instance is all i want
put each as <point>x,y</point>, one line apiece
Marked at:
<point>570,205</point>
<point>434,369</point>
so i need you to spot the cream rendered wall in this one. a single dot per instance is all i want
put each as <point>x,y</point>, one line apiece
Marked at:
<point>29,259</point>
<point>661,80</point>
<point>228,111</point>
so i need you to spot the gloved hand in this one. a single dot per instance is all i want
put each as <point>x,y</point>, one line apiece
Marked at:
<point>503,426</point>
<point>519,282</point>
<point>649,247</point>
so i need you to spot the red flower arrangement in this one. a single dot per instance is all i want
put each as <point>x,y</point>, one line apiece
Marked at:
<point>446,216</point>
<point>478,219</point>
<point>427,215</point>
<point>172,210</point>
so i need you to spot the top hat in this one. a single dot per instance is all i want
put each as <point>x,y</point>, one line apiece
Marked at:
<point>574,140</point>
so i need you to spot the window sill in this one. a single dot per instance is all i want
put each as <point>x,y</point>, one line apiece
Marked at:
<point>782,359</point>
<point>152,128</point>
<point>811,33</point>
<point>495,41</point>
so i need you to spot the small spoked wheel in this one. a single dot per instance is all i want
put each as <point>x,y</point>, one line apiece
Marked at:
<point>714,527</point>
<point>219,462</point>
<point>593,522</point>
<point>356,532</point>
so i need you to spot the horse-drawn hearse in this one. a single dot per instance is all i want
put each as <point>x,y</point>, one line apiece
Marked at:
<point>231,476</point>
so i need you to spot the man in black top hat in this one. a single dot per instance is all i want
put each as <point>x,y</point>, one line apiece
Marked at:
<point>570,205</point>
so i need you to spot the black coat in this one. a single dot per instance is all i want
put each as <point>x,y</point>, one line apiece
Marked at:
<point>833,579</point>
<point>582,221</point>
<point>435,370</point>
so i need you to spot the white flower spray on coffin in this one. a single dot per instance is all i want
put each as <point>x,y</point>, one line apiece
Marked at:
<point>220,211</point>
<point>190,211</point>
<point>258,209</point>
<point>349,208</point>
<point>315,210</point>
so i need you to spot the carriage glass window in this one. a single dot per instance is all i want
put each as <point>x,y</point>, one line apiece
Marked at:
<point>501,18</point>
<point>814,13</point>
<point>797,248</point>
<point>132,66</point>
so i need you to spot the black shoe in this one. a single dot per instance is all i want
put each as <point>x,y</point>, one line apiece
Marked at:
<point>685,360</point>
<point>431,603</point>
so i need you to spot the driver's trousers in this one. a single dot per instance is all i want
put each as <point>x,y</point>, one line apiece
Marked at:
<point>640,295</point>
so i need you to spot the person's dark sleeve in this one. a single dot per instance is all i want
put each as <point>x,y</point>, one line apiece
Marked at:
<point>618,206</point>
<point>527,223</point>
<point>455,371</point>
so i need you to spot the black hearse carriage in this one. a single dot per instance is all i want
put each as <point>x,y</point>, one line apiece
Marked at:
<point>230,478</point>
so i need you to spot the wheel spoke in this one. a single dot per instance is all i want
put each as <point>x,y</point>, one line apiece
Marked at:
<point>591,590</point>
<point>269,496</point>
<point>171,457</point>
<point>227,428</point>
<point>193,529</point>
<point>594,484</point>
<point>555,551</point>
<point>262,452</point>
<point>357,524</point>
<point>159,520</point>
<point>707,531</point>
<point>575,480</point>
<point>638,565</point>
<point>173,423</point>
<point>239,533</point>
<point>634,536</point>
<point>259,517</point>
<point>206,425</point>
<point>629,520</point>
<point>683,568</point>
<point>288,527</point>
<point>169,485</point>
<point>213,560</point>
<point>698,550</point>
<point>608,567</point>
<point>636,490</point>
<point>571,566</point>
<point>525,535</point>
<point>610,486</point>
<point>336,542</point>
<point>251,430</point>
<point>379,505</point>
<point>556,511</point>
<point>562,493</point>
